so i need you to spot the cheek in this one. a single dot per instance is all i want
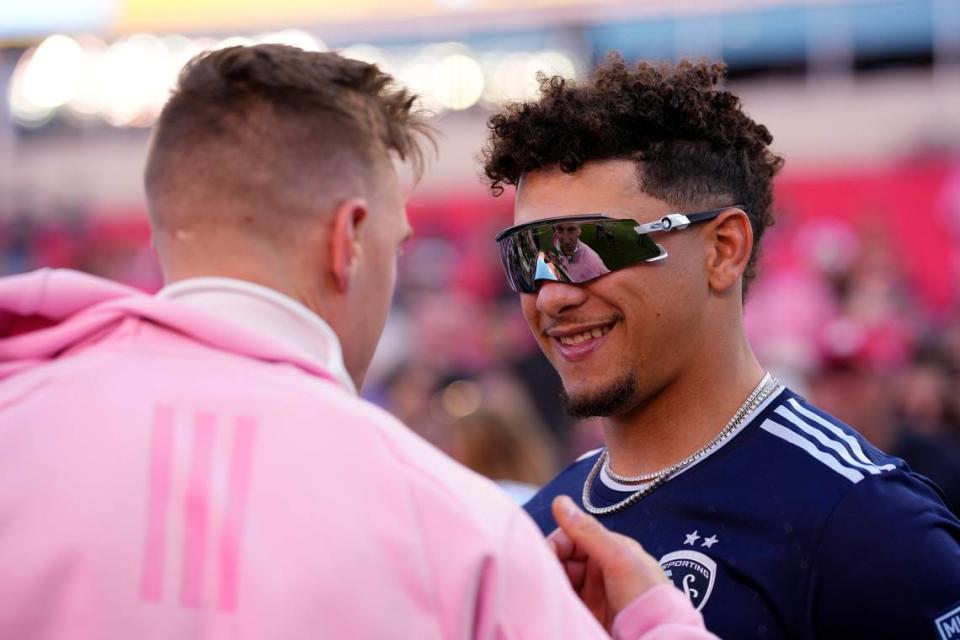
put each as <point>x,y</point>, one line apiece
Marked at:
<point>386,270</point>
<point>383,263</point>
<point>376,288</point>
<point>386,280</point>
<point>528,304</point>
<point>663,320</point>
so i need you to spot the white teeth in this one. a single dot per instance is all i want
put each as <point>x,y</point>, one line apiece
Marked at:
<point>596,332</point>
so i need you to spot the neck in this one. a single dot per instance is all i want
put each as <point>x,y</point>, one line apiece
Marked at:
<point>269,273</point>
<point>684,415</point>
<point>259,267</point>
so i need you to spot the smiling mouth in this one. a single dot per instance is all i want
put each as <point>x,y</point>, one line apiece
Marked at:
<point>584,336</point>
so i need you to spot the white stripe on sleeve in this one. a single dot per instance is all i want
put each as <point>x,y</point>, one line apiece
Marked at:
<point>826,441</point>
<point>797,440</point>
<point>846,437</point>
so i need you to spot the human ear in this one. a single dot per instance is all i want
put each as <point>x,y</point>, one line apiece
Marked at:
<point>730,239</point>
<point>345,249</point>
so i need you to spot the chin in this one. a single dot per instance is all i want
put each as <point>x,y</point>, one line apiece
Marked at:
<point>610,399</point>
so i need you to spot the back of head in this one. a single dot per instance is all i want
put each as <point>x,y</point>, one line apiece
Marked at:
<point>694,146</point>
<point>255,139</point>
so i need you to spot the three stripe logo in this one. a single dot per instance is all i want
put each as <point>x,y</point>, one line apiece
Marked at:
<point>822,440</point>
<point>206,522</point>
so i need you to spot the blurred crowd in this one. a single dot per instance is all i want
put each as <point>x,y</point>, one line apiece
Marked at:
<point>857,306</point>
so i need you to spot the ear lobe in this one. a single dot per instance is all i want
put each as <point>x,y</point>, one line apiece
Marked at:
<point>345,248</point>
<point>732,243</point>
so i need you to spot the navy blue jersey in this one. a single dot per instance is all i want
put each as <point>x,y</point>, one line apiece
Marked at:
<point>796,527</point>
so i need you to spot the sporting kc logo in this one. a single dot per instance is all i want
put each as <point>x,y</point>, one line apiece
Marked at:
<point>692,572</point>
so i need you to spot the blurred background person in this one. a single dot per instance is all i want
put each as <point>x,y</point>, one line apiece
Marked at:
<point>494,429</point>
<point>512,453</point>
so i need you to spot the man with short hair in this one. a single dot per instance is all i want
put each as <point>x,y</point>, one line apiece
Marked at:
<point>574,256</point>
<point>198,464</point>
<point>776,520</point>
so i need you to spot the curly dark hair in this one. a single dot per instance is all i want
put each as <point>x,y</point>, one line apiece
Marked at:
<point>694,146</point>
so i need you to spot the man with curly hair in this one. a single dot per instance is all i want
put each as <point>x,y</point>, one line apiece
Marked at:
<point>777,520</point>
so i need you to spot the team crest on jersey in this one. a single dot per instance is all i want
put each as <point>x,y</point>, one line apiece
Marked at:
<point>692,572</point>
<point>949,624</point>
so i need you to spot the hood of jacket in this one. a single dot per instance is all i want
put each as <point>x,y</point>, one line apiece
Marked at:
<point>47,312</point>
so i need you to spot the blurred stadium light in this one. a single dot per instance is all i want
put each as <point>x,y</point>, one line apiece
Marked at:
<point>838,81</point>
<point>127,83</point>
<point>494,61</point>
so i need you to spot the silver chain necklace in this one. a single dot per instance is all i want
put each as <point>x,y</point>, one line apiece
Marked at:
<point>768,385</point>
<point>644,477</point>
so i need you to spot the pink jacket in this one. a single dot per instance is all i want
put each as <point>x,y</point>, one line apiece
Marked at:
<point>166,474</point>
<point>585,264</point>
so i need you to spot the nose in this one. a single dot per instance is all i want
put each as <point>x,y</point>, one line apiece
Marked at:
<point>553,298</point>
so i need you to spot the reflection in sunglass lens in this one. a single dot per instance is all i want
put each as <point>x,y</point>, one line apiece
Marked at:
<point>572,251</point>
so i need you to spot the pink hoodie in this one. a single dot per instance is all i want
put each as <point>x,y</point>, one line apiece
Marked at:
<point>168,474</point>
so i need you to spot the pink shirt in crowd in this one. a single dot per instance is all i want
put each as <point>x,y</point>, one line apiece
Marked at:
<point>585,264</point>
<point>197,465</point>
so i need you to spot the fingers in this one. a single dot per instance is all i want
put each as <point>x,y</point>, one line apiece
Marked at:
<point>576,571</point>
<point>573,561</point>
<point>592,587</point>
<point>565,548</point>
<point>617,562</point>
<point>561,544</point>
<point>585,533</point>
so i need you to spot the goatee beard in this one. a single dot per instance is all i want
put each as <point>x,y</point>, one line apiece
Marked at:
<point>613,400</point>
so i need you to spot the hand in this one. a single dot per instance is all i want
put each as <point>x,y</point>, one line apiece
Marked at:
<point>607,570</point>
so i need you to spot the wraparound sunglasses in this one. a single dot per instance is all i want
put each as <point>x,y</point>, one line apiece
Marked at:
<point>577,249</point>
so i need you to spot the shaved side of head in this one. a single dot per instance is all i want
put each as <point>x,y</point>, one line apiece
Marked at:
<point>257,140</point>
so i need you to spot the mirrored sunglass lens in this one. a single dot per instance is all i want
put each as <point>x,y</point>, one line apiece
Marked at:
<point>615,243</point>
<point>515,265</point>
<point>571,251</point>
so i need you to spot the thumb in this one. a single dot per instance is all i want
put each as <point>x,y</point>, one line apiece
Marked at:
<point>585,531</point>
<point>628,571</point>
